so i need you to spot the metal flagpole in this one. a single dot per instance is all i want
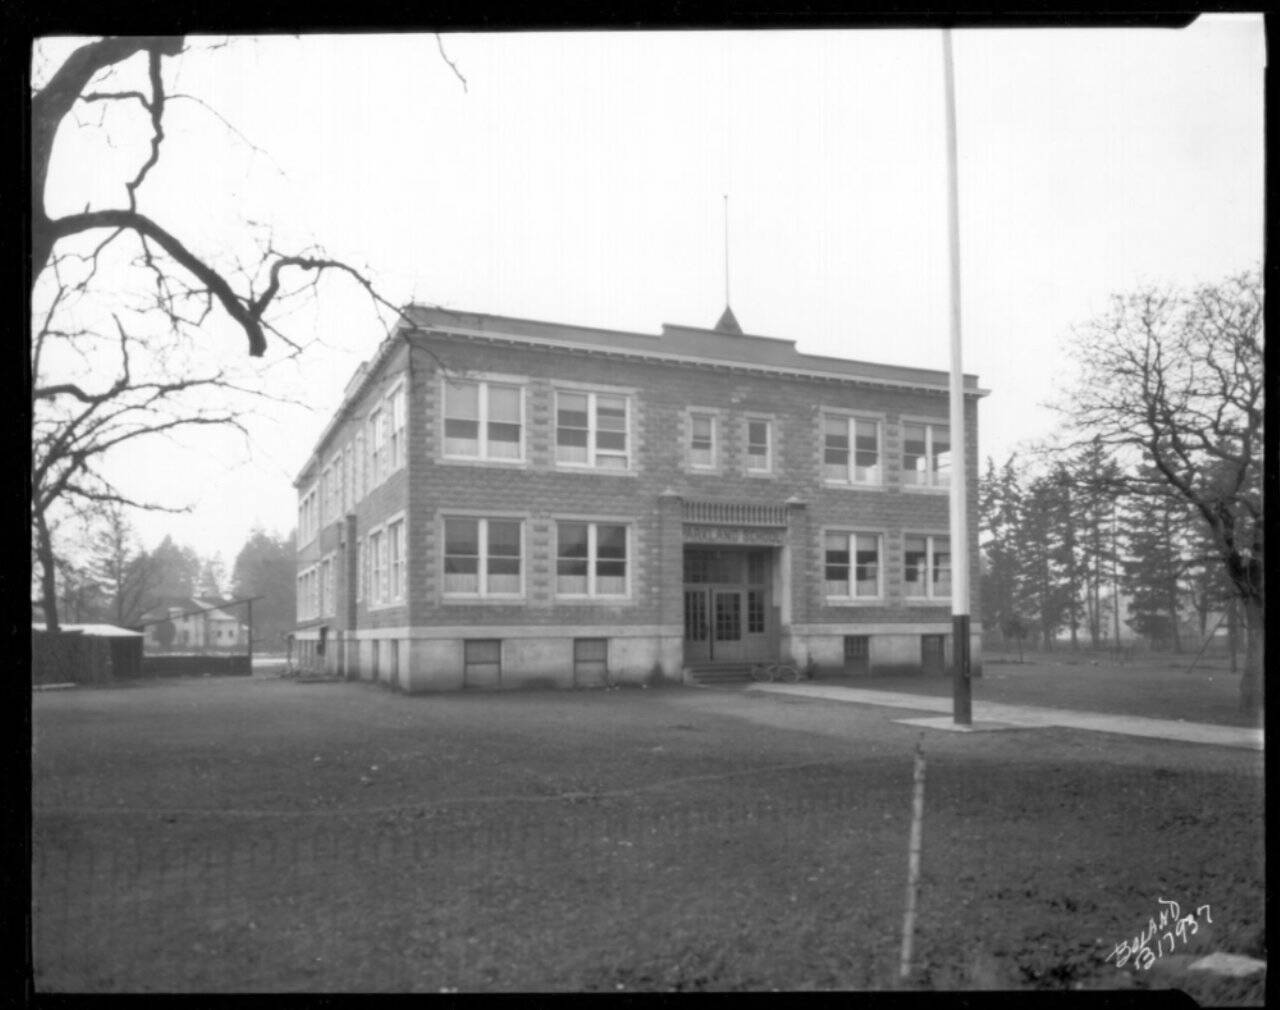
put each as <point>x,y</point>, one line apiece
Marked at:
<point>961,701</point>
<point>726,249</point>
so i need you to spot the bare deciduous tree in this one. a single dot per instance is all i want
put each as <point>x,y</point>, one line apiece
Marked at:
<point>80,418</point>
<point>187,284</point>
<point>76,425</point>
<point>1175,381</point>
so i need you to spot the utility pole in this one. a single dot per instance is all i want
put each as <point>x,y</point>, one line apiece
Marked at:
<point>962,709</point>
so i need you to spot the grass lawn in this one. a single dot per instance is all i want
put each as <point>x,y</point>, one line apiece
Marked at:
<point>264,835</point>
<point>1155,686</point>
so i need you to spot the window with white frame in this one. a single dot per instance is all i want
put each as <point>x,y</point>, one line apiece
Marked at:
<point>377,566</point>
<point>759,445</point>
<point>926,566</point>
<point>593,429</point>
<point>348,480</point>
<point>339,487</point>
<point>852,567</point>
<point>308,520</point>
<point>362,570</point>
<point>483,420</point>
<point>308,594</point>
<point>482,557</point>
<point>396,546</point>
<point>377,447</point>
<point>397,407</point>
<point>851,449</point>
<point>326,481</point>
<point>591,559</point>
<point>926,454</point>
<point>325,590</point>
<point>361,466</point>
<point>702,441</point>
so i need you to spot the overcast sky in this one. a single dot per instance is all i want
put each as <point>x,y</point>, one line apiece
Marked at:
<point>579,178</point>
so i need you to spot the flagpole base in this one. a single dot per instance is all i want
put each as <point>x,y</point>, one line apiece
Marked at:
<point>962,706</point>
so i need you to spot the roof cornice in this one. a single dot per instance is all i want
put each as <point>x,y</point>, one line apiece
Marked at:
<point>667,357</point>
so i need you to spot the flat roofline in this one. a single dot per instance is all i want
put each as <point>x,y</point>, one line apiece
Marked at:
<point>657,338</point>
<point>795,370</point>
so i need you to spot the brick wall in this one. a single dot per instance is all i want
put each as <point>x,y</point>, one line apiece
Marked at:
<point>660,427</point>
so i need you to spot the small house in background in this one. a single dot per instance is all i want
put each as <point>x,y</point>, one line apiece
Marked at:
<point>84,654</point>
<point>195,622</point>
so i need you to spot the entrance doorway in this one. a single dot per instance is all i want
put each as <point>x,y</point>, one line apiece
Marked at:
<point>728,610</point>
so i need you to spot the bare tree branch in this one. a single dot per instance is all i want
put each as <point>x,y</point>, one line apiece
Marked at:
<point>452,66</point>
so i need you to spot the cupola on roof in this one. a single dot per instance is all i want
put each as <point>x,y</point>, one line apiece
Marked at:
<point>728,322</point>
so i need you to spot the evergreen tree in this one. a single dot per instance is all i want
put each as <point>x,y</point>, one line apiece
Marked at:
<point>266,568</point>
<point>1154,566</point>
<point>177,571</point>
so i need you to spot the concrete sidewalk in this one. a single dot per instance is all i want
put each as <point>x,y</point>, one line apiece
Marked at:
<point>1026,716</point>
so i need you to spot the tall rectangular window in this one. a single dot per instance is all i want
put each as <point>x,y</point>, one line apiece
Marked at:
<point>397,449</point>
<point>483,420</point>
<point>926,454</point>
<point>702,441</point>
<point>384,568</point>
<point>482,557</point>
<point>377,446</point>
<point>591,559</point>
<point>377,566</point>
<point>926,566</point>
<point>395,534</point>
<point>322,609</point>
<point>348,481</point>
<point>593,430</point>
<point>361,466</point>
<point>852,566</point>
<point>851,450</point>
<point>759,446</point>
<point>307,518</point>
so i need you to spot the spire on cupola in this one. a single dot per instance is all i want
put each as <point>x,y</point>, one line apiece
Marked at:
<point>728,321</point>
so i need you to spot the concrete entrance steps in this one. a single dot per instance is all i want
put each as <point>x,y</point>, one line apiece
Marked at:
<point>719,674</point>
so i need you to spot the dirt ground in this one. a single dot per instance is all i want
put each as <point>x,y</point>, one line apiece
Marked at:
<point>264,835</point>
<point>1156,686</point>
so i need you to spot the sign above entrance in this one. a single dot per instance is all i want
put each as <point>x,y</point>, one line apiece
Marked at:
<point>698,534</point>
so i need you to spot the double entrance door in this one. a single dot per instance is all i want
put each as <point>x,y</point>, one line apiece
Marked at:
<point>728,613</point>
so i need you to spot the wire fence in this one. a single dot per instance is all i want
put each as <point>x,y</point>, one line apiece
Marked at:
<point>577,893</point>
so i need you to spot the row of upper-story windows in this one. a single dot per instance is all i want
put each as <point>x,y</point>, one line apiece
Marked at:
<point>485,421</point>
<point>376,449</point>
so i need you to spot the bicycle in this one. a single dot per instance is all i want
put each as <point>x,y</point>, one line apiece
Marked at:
<point>770,672</point>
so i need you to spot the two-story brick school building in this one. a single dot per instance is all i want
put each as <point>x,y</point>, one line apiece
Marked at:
<point>500,502</point>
